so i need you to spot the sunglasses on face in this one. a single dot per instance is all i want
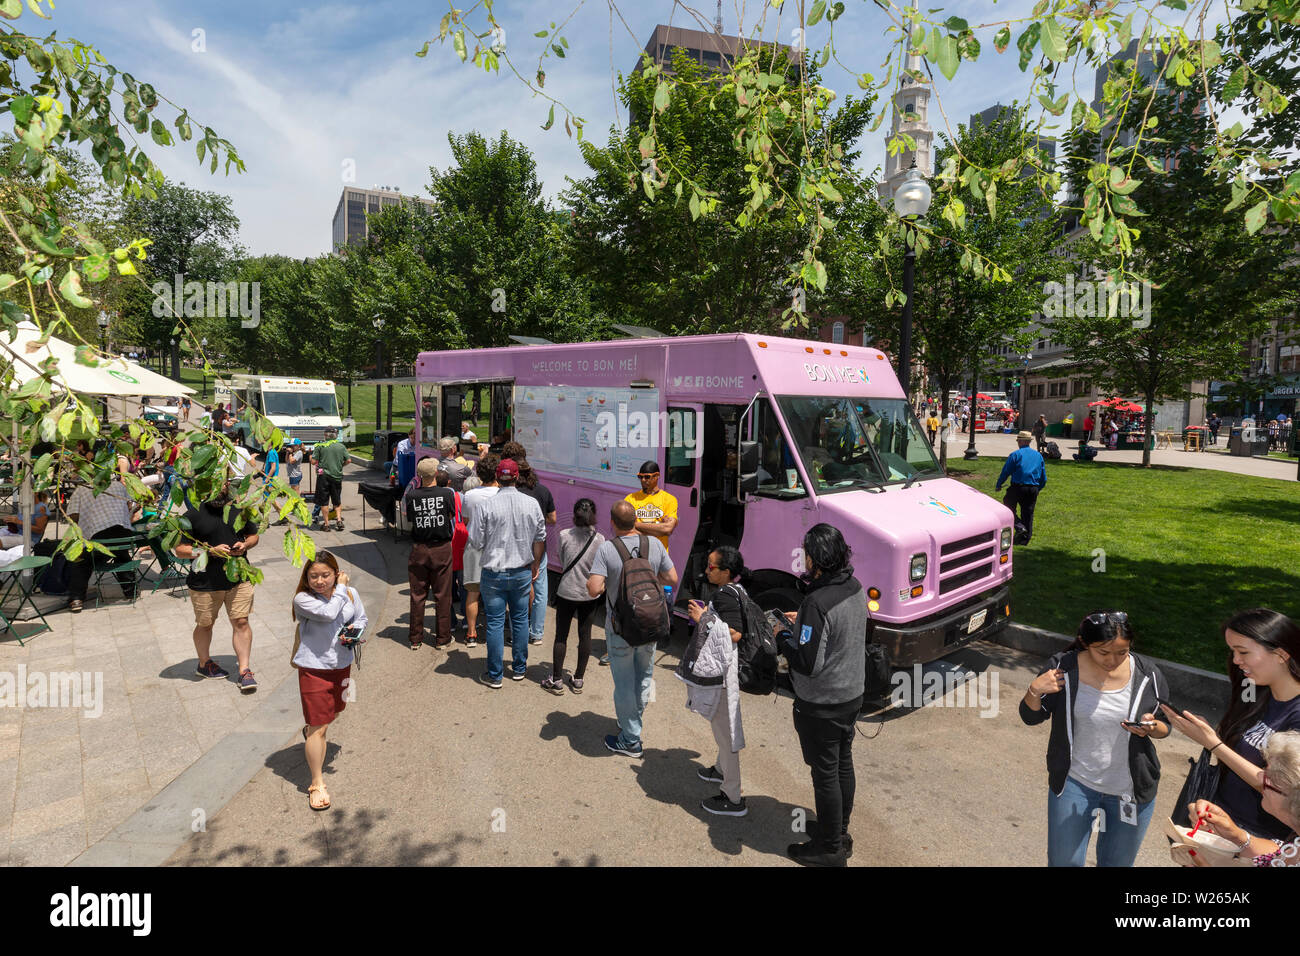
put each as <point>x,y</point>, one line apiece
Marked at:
<point>653,474</point>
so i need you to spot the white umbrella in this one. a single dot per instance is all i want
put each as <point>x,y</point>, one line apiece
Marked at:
<point>111,377</point>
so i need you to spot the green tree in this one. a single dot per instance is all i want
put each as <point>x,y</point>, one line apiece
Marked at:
<point>1213,286</point>
<point>980,269</point>
<point>674,259</point>
<point>194,237</point>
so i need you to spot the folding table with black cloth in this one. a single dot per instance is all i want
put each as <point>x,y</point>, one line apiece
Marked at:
<point>383,497</point>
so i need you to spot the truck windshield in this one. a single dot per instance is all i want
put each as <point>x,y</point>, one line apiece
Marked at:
<point>299,404</point>
<point>855,443</point>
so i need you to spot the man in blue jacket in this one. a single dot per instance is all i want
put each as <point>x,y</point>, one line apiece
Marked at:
<point>1028,477</point>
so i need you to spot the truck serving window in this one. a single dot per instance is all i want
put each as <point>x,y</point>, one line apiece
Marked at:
<point>855,443</point>
<point>300,403</point>
<point>777,475</point>
<point>683,450</point>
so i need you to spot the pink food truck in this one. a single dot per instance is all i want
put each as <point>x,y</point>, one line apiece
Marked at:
<point>759,438</point>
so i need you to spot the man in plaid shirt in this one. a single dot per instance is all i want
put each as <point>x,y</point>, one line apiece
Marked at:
<point>101,517</point>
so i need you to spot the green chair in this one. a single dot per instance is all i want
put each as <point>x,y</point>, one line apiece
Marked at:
<point>172,570</point>
<point>102,566</point>
<point>14,572</point>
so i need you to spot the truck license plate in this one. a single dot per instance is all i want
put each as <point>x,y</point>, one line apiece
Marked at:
<point>976,620</point>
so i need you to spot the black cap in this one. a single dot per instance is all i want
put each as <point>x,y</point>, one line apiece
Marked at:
<point>649,467</point>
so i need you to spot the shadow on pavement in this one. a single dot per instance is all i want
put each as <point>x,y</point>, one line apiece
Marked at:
<point>585,731</point>
<point>347,838</point>
<point>290,763</point>
<point>669,776</point>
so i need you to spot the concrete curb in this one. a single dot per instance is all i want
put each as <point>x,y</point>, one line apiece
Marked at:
<point>158,829</point>
<point>1200,691</point>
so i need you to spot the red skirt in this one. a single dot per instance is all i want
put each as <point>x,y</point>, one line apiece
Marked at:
<point>322,694</point>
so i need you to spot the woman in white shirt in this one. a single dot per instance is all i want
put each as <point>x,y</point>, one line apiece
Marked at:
<point>1101,763</point>
<point>323,606</point>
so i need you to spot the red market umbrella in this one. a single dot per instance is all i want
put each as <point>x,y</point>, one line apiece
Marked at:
<point>1128,407</point>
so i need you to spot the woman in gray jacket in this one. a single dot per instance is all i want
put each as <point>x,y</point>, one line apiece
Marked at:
<point>324,606</point>
<point>578,547</point>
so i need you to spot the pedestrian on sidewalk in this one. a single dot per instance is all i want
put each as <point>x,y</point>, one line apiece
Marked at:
<point>330,456</point>
<point>1101,699</point>
<point>459,535</point>
<point>458,469</point>
<point>719,626</point>
<point>631,666</point>
<point>1028,474</point>
<point>1039,431</point>
<point>578,547</point>
<point>534,489</point>
<point>431,514</point>
<point>510,529</point>
<point>827,652</point>
<point>215,539</point>
<point>478,488</point>
<point>328,612</point>
<point>932,425</point>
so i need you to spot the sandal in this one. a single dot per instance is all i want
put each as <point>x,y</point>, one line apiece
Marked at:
<point>311,801</point>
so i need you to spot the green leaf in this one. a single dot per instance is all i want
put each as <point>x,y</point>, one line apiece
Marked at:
<point>95,268</point>
<point>1054,40</point>
<point>70,289</point>
<point>818,11</point>
<point>458,44</point>
<point>695,206</point>
<point>946,57</point>
<point>159,133</point>
<point>1256,216</point>
<point>1236,83</point>
<point>550,118</point>
<point>21,107</point>
<point>661,96</point>
<point>11,9</point>
<point>6,280</point>
<point>1002,39</point>
<point>424,50</point>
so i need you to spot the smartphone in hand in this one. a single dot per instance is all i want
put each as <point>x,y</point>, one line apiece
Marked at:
<point>351,634</point>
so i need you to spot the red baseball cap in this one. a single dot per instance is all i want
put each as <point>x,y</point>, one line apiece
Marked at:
<point>507,469</point>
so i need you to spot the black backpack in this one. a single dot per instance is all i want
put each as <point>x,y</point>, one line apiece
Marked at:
<point>1053,451</point>
<point>756,653</point>
<point>640,610</point>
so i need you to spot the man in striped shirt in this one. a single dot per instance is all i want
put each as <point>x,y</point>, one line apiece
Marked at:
<point>511,531</point>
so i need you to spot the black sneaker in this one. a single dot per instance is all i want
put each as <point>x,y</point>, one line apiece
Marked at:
<point>211,670</point>
<point>813,853</point>
<point>489,682</point>
<point>720,805</point>
<point>846,841</point>
<point>712,775</point>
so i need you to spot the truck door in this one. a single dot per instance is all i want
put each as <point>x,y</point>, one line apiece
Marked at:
<point>681,479</point>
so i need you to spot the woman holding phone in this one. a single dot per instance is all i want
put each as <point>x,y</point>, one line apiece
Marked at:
<point>724,571</point>
<point>1101,699</point>
<point>330,620</point>
<point>1264,680</point>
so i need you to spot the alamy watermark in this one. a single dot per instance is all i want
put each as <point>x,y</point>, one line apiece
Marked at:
<point>67,689</point>
<point>1103,297</point>
<point>653,429</point>
<point>213,300</point>
<point>921,688</point>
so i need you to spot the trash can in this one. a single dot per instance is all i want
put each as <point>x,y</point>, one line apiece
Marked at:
<point>386,446</point>
<point>1235,445</point>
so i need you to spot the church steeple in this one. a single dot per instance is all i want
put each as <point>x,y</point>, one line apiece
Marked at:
<point>911,100</point>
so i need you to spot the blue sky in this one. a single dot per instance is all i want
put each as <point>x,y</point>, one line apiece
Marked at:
<point>302,88</point>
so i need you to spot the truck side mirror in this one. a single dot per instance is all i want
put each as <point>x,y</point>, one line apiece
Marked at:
<point>750,453</point>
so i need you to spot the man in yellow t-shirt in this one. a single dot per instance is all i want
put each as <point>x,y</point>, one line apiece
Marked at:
<point>932,426</point>
<point>656,511</point>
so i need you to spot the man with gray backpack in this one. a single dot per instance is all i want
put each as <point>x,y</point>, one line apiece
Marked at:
<point>632,570</point>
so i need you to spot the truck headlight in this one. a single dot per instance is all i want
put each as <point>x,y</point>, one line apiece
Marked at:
<point>1006,539</point>
<point>918,567</point>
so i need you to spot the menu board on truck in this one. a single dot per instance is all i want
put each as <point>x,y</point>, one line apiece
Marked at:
<point>596,433</point>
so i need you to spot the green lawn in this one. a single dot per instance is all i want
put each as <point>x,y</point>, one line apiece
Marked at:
<point>1184,550</point>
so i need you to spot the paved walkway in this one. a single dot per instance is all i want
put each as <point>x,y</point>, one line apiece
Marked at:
<point>999,445</point>
<point>69,775</point>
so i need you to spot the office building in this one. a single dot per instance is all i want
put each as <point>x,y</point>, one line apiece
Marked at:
<point>355,203</point>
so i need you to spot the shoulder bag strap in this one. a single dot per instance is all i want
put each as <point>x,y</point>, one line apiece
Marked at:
<point>570,565</point>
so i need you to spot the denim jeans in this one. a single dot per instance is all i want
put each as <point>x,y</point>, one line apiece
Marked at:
<point>1069,826</point>
<point>633,671</point>
<point>506,593</point>
<point>537,617</point>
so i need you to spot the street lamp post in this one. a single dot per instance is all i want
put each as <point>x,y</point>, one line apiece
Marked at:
<point>1022,398</point>
<point>203,363</point>
<point>176,361</point>
<point>379,365</point>
<point>103,330</point>
<point>911,201</point>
